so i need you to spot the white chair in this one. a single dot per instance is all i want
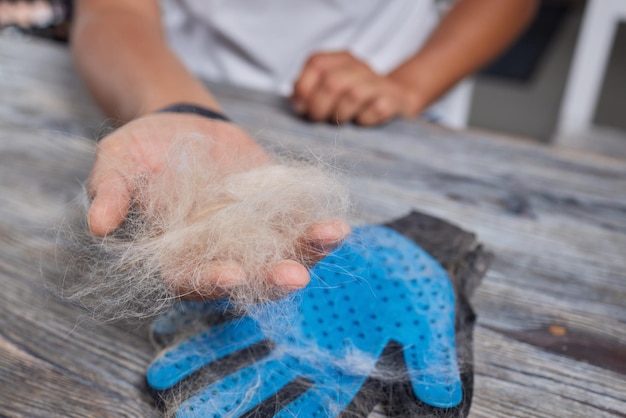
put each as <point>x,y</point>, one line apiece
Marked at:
<point>574,127</point>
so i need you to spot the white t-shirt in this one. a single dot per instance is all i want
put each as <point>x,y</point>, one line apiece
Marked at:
<point>263,44</point>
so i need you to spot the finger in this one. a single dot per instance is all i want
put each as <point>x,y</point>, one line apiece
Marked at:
<point>111,201</point>
<point>434,374</point>
<point>244,391</point>
<point>323,101</point>
<point>333,87</point>
<point>355,99</point>
<point>226,277</point>
<point>310,77</point>
<point>325,400</point>
<point>322,238</point>
<point>378,111</point>
<point>304,88</point>
<point>289,275</point>
<point>222,277</point>
<point>203,349</point>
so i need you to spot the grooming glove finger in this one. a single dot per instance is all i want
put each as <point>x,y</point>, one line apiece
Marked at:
<point>201,350</point>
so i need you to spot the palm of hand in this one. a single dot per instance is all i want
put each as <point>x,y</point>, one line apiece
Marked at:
<point>153,154</point>
<point>141,148</point>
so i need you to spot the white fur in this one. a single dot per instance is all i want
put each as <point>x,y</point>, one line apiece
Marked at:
<point>190,217</point>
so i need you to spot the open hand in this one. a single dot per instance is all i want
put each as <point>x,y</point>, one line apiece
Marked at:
<point>141,148</point>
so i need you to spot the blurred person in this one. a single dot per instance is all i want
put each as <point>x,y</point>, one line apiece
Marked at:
<point>339,61</point>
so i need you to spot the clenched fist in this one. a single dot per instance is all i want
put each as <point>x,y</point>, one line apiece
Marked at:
<point>337,87</point>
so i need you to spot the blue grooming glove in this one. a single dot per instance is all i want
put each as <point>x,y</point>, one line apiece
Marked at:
<point>375,291</point>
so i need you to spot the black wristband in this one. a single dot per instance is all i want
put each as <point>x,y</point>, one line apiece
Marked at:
<point>195,110</point>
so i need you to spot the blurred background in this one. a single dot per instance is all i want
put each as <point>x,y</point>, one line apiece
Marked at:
<point>524,92</point>
<point>563,82</point>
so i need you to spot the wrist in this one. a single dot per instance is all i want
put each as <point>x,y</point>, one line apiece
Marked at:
<point>414,97</point>
<point>193,109</point>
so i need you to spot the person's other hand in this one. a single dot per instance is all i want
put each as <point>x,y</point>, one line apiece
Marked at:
<point>337,87</point>
<point>141,148</point>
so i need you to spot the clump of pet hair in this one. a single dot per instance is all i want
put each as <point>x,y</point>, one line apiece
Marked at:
<point>189,221</point>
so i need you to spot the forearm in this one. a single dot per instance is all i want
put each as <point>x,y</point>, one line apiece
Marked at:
<point>123,58</point>
<point>473,33</point>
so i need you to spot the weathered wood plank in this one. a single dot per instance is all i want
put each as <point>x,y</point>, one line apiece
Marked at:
<point>55,362</point>
<point>555,219</point>
<point>519,380</point>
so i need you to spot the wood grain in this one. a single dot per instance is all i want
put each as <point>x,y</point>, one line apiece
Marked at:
<point>555,219</point>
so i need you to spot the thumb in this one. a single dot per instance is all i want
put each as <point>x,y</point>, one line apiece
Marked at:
<point>110,205</point>
<point>435,378</point>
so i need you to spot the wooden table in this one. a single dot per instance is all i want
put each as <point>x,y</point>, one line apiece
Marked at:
<point>551,334</point>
